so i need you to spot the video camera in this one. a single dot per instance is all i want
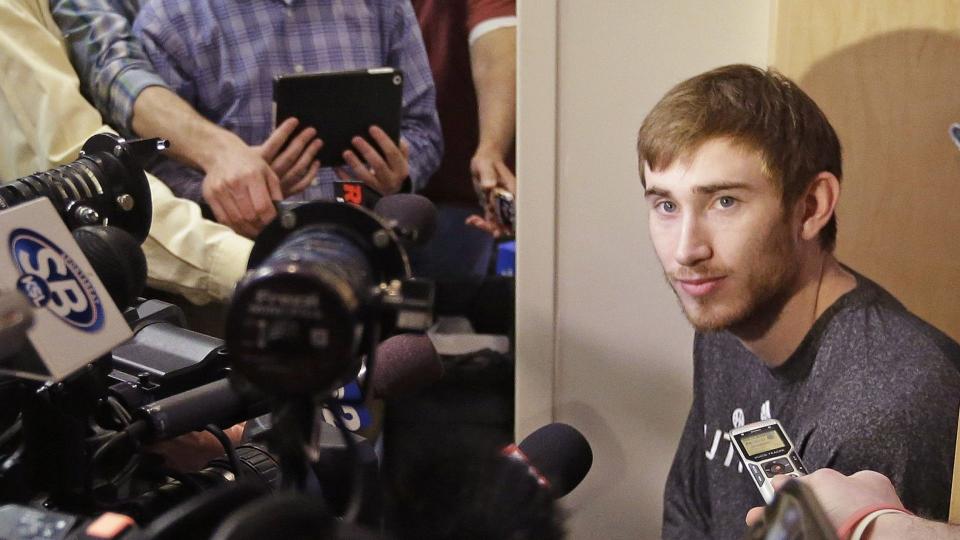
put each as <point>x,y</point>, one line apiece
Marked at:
<point>326,282</point>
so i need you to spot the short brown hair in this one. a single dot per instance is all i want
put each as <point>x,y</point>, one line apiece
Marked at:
<point>760,109</point>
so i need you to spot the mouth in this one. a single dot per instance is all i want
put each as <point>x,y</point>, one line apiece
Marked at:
<point>700,286</point>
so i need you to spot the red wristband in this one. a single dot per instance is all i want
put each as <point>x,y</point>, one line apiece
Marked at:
<point>844,531</point>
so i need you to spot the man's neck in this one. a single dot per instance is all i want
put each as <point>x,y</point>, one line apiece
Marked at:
<point>820,284</point>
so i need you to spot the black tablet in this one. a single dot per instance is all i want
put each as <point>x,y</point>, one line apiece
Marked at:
<point>341,105</point>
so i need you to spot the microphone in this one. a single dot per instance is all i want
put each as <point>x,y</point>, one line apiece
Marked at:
<point>412,217</point>
<point>219,402</point>
<point>406,363</point>
<point>558,455</point>
<point>461,485</point>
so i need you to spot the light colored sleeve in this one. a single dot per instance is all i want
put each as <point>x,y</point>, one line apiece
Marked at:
<point>189,255</point>
<point>485,16</point>
<point>45,122</point>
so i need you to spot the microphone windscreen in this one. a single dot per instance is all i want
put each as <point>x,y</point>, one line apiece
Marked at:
<point>561,454</point>
<point>406,363</point>
<point>118,260</point>
<point>415,216</point>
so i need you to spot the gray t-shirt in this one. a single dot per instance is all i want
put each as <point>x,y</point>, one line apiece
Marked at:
<point>870,387</point>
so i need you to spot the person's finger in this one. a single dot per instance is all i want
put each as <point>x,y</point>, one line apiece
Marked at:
<point>306,180</point>
<point>222,204</point>
<point>262,204</point>
<point>374,160</point>
<point>754,515</point>
<point>273,144</point>
<point>272,182</point>
<point>391,152</point>
<point>236,201</point>
<point>485,175</point>
<point>484,225</point>
<point>218,212</point>
<point>304,162</point>
<point>360,170</point>
<point>779,480</point>
<point>342,174</point>
<point>506,176</point>
<point>234,217</point>
<point>285,161</point>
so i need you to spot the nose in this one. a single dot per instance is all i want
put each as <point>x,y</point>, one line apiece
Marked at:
<point>693,246</point>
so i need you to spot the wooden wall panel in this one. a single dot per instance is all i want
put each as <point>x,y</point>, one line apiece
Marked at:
<point>887,75</point>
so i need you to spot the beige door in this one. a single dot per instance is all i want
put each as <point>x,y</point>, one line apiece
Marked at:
<point>887,74</point>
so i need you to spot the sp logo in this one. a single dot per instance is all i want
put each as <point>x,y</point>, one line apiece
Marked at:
<point>51,279</point>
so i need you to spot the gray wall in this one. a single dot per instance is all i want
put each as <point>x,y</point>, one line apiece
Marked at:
<point>601,343</point>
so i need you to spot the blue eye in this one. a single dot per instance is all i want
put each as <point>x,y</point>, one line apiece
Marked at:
<point>667,207</point>
<point>726,202</point>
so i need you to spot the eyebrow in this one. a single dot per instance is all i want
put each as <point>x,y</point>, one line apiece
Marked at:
<point>705,189</point>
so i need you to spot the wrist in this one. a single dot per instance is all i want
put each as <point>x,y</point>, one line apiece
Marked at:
<point>861,524</point>
<point>491,150</point>
<point>888,526</point>
<point>217,144</point>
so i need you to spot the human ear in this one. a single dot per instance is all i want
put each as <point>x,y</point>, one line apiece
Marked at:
<point>819,204</point>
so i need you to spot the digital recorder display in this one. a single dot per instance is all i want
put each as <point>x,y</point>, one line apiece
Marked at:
<point>762,441</point>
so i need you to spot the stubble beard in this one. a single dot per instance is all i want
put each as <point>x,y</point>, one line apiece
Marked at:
<point>768,287</point>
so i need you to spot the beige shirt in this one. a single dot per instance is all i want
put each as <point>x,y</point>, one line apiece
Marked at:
<point>44,121</point>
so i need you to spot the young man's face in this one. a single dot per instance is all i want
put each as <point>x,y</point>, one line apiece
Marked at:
<point>722,235</point>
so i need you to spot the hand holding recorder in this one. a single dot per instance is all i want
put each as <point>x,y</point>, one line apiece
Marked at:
<point>766,452</point>
<point>496,186</point>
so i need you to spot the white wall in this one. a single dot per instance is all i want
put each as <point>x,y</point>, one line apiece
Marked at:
<point>601,343</point>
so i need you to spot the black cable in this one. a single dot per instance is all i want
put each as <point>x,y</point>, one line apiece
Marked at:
<point>126,471</point>
<point>124,416</point>
<point>370,366</point>
<point>227,448</point>
<point>12,431</point>
<point>131,432</point>
<point>356,489</point>
<point>185,479</point>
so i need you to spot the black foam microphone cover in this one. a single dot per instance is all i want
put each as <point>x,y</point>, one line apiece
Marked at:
<point>414,215</point>
<point>561,454</point>
<point>406,363</point>
<point>117,259</point>
<point>287,515</point>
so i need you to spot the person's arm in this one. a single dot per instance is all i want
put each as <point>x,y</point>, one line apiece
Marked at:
<point>241,181</point>
<point>493,63</point>
<point>419,124</point>
<point>185,253</point>
<point>118,76</point>
<point>844,497</point>
<point>493,58</point>
<point>112,66</point>
<point>188,255</point>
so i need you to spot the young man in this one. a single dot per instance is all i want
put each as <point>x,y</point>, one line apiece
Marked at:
<point>742,175</point>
